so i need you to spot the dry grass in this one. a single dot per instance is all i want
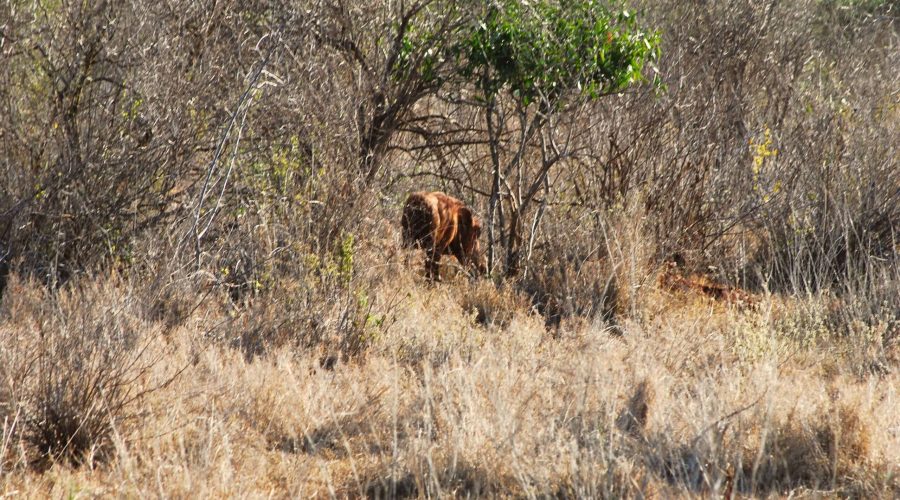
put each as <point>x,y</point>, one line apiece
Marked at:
<point>190,308</point>
<point>693,400</point>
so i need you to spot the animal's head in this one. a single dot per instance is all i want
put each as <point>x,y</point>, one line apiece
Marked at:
<point>469,232</point>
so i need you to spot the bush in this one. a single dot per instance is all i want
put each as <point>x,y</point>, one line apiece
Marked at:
<point>831,446</point>
<point>490,305</point>
<point>72,365</point>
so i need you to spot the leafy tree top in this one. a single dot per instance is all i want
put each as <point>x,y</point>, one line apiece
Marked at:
<point>543,49</point>
<point>539,50</point>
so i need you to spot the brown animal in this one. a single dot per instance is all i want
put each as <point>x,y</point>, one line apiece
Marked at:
<point>671,278</point>
<point>442,225</point>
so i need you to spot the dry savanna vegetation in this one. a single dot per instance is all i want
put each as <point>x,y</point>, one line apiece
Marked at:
<point>690,217</point>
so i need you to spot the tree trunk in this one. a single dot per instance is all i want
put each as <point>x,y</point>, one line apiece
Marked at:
<point>514,240</point>
<point>495,184</point>
<point>375,136</point>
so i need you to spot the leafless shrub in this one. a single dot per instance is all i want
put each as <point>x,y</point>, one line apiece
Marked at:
<point>572,287</point>
<point>739,75</point>
<point>814,453</point>
<point>232,177</point>
<point>633,418</point>
<point>491,306</point>
<point>587,264</point>
<point>72,368</point>
<point>89,155</point>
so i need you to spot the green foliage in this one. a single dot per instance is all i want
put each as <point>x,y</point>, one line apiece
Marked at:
<point>281,178</point>
<point>419,55</point>
<point>543,50</point>
<point>368,324</point>
<point>764,155</point>
<point>345,258</point>
<point>537,50</point>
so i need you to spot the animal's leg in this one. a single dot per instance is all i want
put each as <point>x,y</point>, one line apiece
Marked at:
<point>432,262</point>
<point>460,255</point>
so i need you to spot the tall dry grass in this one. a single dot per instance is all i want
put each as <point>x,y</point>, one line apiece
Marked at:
<point>202,294</point>
<point>450,390</point>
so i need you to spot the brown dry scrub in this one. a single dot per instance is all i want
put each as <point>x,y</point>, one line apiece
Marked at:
<point>442,404</point>
<point>204,291</point>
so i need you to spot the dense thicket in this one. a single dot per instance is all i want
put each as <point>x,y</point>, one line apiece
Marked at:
<point>208,193</point>
<point>179,132</point>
